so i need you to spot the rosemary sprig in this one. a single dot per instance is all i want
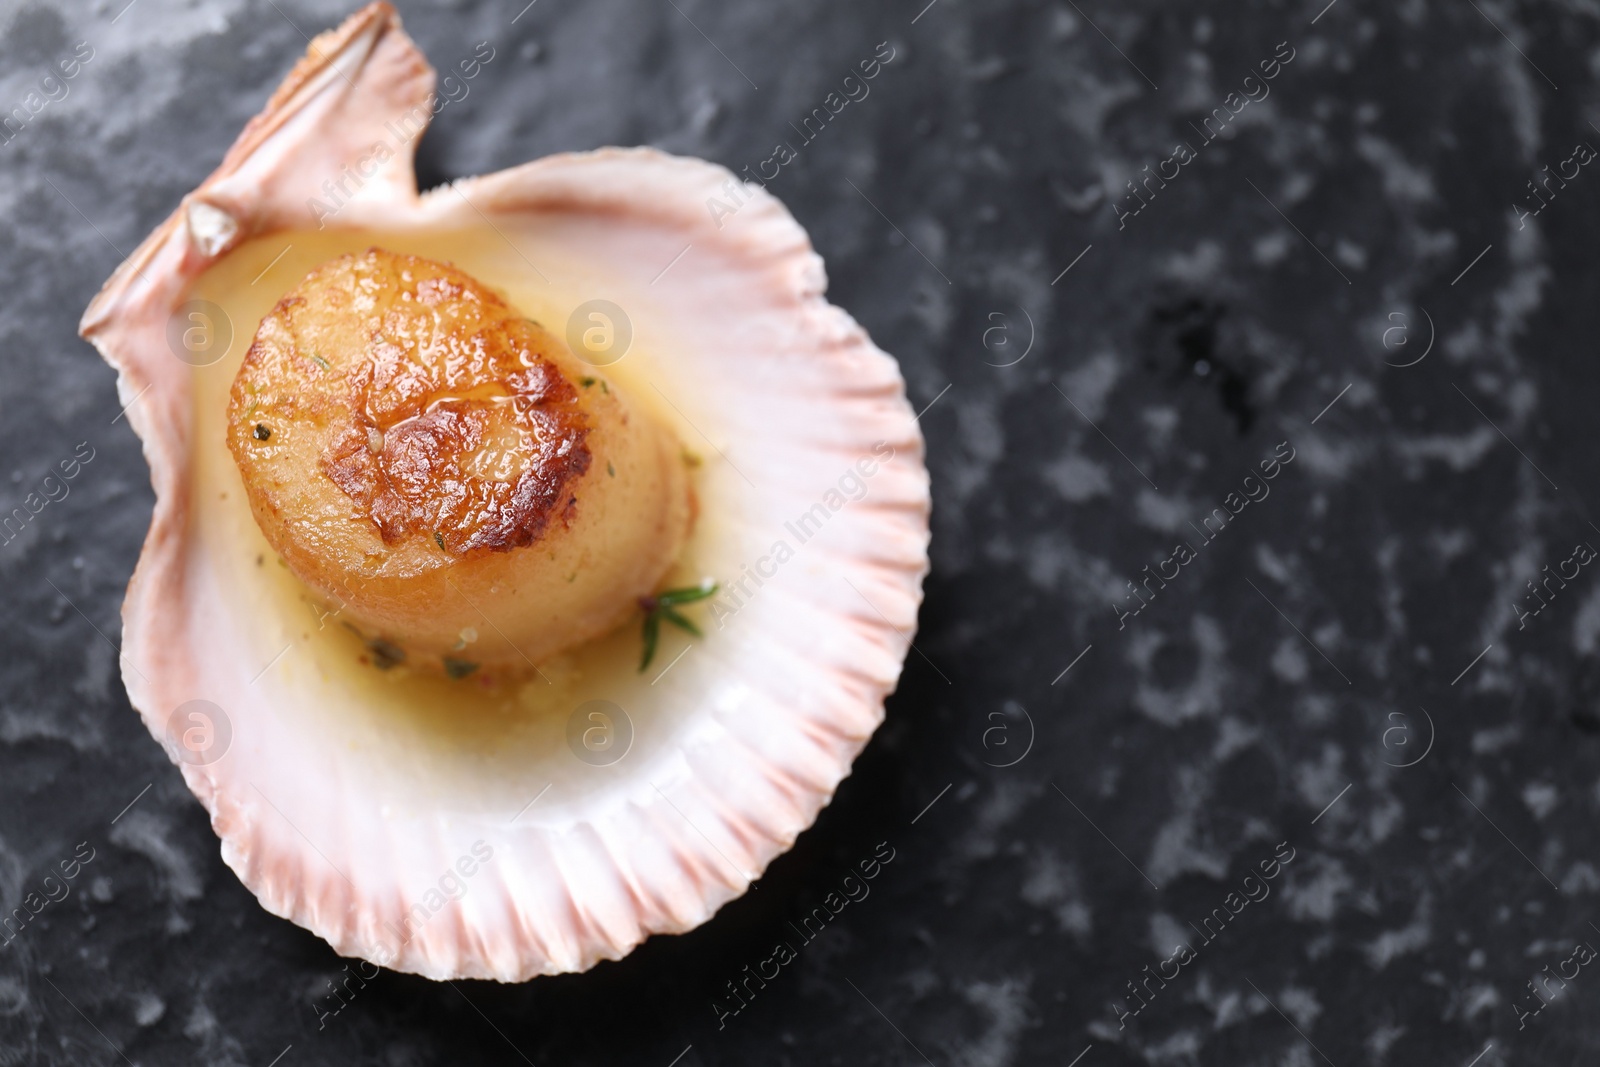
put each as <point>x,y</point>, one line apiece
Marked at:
<point>664,606</point>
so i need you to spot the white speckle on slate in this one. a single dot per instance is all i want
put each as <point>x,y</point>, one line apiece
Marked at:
<point>1090,384</point>
<point>1054,884</point>
<point>1381,1040</point>
<point>148,1009</point>
<point>1581,878</point>
<point>1077,478</point>
<point>1289,660</point>
<point>1006,1003</point>
<point>149,834</point>
<point>1301,1004</point>
<point>1204,693</point>
<point>1177,847</point>
<point>1586,624</point>
<point>1313,888</point>
<point>1168,514</point>
<point>1199,267</point>
<point>1409,938</point>
<point>1540,797</point>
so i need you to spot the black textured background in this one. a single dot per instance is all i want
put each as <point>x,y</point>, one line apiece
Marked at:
<point>1376,189</point>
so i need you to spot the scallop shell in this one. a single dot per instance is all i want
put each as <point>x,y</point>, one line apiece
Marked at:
<point>347,826</point>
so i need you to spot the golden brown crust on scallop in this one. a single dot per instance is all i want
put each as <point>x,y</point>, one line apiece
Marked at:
<point>431,404</point>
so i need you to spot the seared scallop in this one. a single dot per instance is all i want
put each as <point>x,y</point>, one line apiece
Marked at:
<point>437,464</point>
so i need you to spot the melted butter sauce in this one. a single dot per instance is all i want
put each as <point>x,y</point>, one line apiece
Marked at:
<point>487,740</point>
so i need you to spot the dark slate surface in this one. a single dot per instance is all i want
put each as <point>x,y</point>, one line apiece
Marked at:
<point>1286,668</point>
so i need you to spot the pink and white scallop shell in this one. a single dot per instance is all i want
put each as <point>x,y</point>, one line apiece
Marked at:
<point>495,852</point>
